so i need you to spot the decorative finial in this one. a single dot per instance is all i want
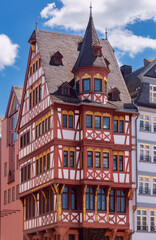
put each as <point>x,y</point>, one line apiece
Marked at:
<point>106,33</point>
<point>90,9</point>
<point>36,24</point>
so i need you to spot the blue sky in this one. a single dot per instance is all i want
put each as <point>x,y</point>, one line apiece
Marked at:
<point>131,31</point>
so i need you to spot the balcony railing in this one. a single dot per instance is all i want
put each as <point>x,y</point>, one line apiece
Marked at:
<point>144,158</point>
<point>11,176</point>
<point>142,228</point>
<point>145,191</point>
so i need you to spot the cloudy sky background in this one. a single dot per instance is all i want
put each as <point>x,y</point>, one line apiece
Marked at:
<point>131,31</point>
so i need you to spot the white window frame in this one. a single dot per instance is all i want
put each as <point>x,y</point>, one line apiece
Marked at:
<point>152,97</point>
<point>145,119</point>
<point>142,214</point>
<point>144,149</point>
<point>144,185</point>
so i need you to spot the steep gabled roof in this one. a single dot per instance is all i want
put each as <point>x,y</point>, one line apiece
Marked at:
<point>16,92</point>
<point>67,45</point>
<point>86,56</point>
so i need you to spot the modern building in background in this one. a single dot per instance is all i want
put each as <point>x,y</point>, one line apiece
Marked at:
<point>76,141</point>
<point>11,207</point>
<point>142,87</point>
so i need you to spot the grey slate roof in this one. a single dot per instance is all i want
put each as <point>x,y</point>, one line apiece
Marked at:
<point>138,89</point>
<point>86,56</point>
<point>67,45</point>
<point>18,91</point>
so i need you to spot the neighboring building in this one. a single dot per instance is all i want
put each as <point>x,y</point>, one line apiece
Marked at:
<point>11,207</point>
<point>142,87</point>
<point>76,140</point>
<point>1,118</point>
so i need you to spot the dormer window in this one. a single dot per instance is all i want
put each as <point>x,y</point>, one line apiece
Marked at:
<point>86,85</point>
<point>114,94</point>
<point>56,59</point>
<point>97,85</point>
<point>97,51</point>
<point>65,88</point>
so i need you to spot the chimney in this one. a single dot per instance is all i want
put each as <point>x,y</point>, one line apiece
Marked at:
<point>126,70</point>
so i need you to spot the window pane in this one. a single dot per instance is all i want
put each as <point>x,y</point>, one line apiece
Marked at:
<point>97,159</point>
<point>105,160</point>
<point>115,125</point>
<point>98,85</point>
<point>65,158</point>
<point>115,163</point>
<point>89,121</point>
<point>120,163</point>
<point>86,85</point>
<point>90,159</point>
<point>64,120</point>
<point>97,122</point>
<point>65,198</point>
<point>71,159</point>
<point>106,123</point>
<point>121,126</point>
<point>70,121</point>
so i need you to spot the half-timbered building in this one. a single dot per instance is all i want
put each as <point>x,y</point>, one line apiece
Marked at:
<point>11,211</point>
<point>76,140</point>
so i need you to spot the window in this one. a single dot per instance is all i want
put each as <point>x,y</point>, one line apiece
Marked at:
<point>25,139</point>
<point>45,201</point>
<point>42,163</point>
<point>71,237</point>
<point>105,160</point>
<point>70,121</point>
<point>101,202</point>
<point>144,185</point>
<point>97,51</point>
<point>144,122</point>
<point>72,159</point>
<point>112,201</point>
<point>88,121</point>
<point>13,194</point>
<point>35,96</point>
<point>145,152</point>
<point>120,163</point>
<point>153,221</point>
<point>65,200</point>
<point>97,159</point>
<point>89,159</point>
<point>121,202</point>
<point>5,197</point>
<point>97,84</point>
<point>74,198</point>
<point>152,93</point>
<point>97,122</point>
<point>65,158</point>
<point>154,185</point>
<point>42,126</point>
<point>154,124</point>
<point>115,125</point>
<point>9,195</point>
<point>5,169</point>
<point>86,85</point>
<point>115,165</point>
<point>142,220</point>
<point>119,124</point>
<point>17,192</point>
<point>89,198</point>
<point>65,120</point>
<point>154,154</point>
<point>106,123</point>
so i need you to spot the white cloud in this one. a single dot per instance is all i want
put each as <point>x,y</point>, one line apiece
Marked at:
<point>114,15</point>
<point>8,51</point>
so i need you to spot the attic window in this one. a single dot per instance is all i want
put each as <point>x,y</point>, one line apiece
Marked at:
<point>97,51</point>
<point>56,59</point>
<point>114,95</point>
<point>65,89</point>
